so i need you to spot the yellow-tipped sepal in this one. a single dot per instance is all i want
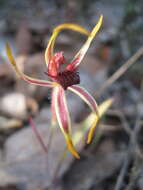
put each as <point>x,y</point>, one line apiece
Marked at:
<point>102,109</point>
<point>92,129</point>
<point>22,75</point>
<point>71,146</point>
<point>67,26</point>
<point>83,94</point>
<point>80,55</point>
<point>63,118</point>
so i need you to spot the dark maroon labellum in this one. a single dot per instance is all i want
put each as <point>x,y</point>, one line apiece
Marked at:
<point>67,78</point>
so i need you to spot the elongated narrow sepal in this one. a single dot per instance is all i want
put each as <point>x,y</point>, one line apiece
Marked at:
<point>63,118</point>
<point>71,146</point>
<point>38,136</point>
<point>22,75</point>
<point>83,94</point>
<point>80,55</point>
<point>85,125</point>
<point>102,109</point>
<point>61,110</point>
<point>92,104</point>
<point>57,30</point>
<point>92,129</point>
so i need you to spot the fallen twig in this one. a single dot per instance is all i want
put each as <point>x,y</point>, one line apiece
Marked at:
<point>123,172</point>
<point>132,154</point>
<point>120,71</point>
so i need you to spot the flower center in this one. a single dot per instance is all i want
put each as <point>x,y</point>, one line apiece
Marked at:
<point>67,78</point>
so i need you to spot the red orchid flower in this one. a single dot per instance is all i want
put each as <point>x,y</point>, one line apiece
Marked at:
<point>62,80</point>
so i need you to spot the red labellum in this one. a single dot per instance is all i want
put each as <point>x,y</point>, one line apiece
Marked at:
<point>67,78</point>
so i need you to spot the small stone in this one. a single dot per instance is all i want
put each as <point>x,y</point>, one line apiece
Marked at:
<point>26,162</point>
<point>17,105</point>
<point>14,105</point>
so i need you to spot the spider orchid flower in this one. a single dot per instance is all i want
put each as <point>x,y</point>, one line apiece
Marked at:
<point>62,80</point>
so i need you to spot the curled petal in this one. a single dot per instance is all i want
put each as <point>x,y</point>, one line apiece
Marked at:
<point>85,96</point>
<point>22,75</point>
<point>91,130</point>
<point>63,118</point>
<point>57,30</point>
<point>92,104</point>
<point>102,109</point>
<point>79,56</point>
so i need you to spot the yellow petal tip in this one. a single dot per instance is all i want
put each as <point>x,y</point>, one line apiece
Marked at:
<point>90,136</point>
<point>92,129</point>
<point>9,54</point>
<point>101,19</point>
<point>71,147</point>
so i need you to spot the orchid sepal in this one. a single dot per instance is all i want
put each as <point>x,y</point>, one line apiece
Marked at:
<point>92,104</point>
<point>80,55</point>
<point>80,91</point>
<point>22,75</point>
<point>63,118</point>
<point>92,129</point>
<point>67,26</point>
<point>71,147</point>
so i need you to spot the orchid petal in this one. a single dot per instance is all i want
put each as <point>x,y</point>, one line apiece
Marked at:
<point>91,130</point>
<point>92,104</point>
<point>80,55</point>
<point>57,30</point>
<point>102,109</point>
<point>22,75</point>
<point>63,118</point>
<point>85,96</point>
